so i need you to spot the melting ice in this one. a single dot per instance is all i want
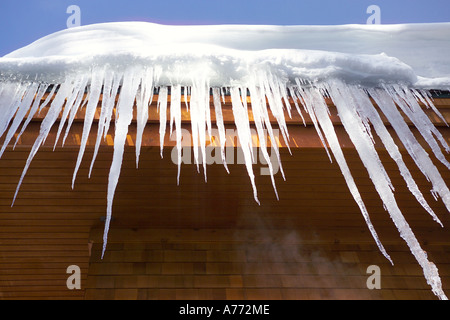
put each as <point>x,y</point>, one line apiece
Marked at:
<point>363,87</point>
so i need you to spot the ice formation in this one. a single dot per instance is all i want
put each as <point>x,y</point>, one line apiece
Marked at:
<point>366,71</point>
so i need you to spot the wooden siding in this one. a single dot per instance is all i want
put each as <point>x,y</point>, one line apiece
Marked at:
<point>208,240</point>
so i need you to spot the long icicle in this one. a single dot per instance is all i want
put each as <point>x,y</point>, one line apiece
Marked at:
<point>355,128</point>
<point>244,133</point>
<point>94,97</point>
<point>258,117</point>
<point>20,115</point>
<point>108,101</point>
<point>412,110</point>
<point>162,108</point>
<point>46,125</point>
<point>421,158</point>
<point>220,124</point>
<point>71,102</point>
<point>10,98</point>
<point>143,100</point>
<point>127,98</point>
<point>175,114</point>
<point>316,106</point>
<point>34,108</point>
<point>368,113</point>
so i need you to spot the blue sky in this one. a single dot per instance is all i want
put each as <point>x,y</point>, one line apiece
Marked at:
<point>24,21</point>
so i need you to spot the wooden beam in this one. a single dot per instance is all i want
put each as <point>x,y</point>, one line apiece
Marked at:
<point>443,105</point>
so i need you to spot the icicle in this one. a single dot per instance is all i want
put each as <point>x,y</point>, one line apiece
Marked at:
<point>341,95</point>
<point>207,103</point>
<point>204,123</point>
<point>49,97</point>
<point>423,96</point>
<point>310,110</point>
<point>94,97</point>
<point>271,90</point>
<point>265,115</point>
<point>317,107</point>
<point>220,125</point>
<point>420,115</point>
<point>143,100</point>
<point>366,110</point>
<point>76,107</point>
<point>368,155</point>
<point>131,81</point>
<point>10,100</point>
<point>46,125</point>
<point>198,113</point>
<point>162,107</point>
<point>186,89</point>
<point>34,108</point>
<point>222,94</point>
<point>243,95</point>
<point>108,101</point>
<point>111,101</point>
<point>258,116</point>
<point>175,115</point>
<point>296,100</point>
<point>413,111</point>
<point>385,102</point>
<point>243,129</point>
<point>194,114</point>
<point>20,115</point>
<point>78,86</point>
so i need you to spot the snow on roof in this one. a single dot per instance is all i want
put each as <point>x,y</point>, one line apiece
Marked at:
<point>415,54</point>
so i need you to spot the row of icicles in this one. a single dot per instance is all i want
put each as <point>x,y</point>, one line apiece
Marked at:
<point>270,96</point>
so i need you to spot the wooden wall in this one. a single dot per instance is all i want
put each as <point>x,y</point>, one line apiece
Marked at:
<point>312,244</point>
<point>208,240</point>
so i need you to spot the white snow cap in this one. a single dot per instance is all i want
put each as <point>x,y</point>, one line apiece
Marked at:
<point>367,71</point>
<point>415,54</point>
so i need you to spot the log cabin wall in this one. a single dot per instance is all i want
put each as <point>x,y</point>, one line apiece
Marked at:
<point>209,240</point>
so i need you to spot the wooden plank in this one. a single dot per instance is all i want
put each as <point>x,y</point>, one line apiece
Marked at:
<point>300,136</point>
<point>441,104</point>
<point>326,234</point>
